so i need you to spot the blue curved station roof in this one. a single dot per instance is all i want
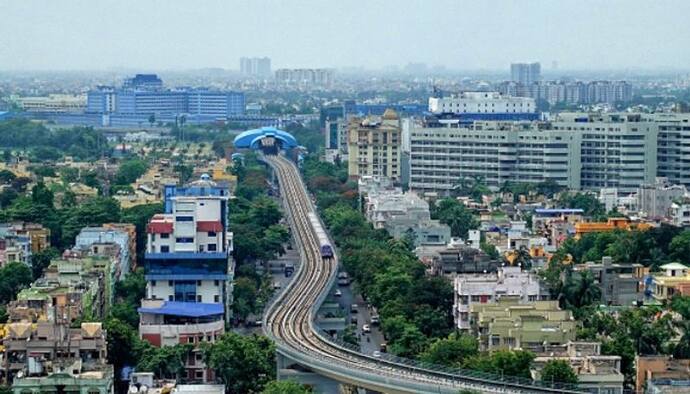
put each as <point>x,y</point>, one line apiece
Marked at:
<point>251,138</point>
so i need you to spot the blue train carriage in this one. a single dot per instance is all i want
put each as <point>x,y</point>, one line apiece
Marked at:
<point>321,236</point>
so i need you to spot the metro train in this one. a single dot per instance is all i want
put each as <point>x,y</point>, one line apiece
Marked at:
<point>324,242</point>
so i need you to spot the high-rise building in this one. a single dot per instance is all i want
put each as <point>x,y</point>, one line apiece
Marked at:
<point>374,146</point>
<point>443,154</point>
<point>188,270</point>
<point>553,92</point>
<point>255,66</point>
<point>576,150</point>
<point>525,73</point>
<point>144,95</point>
<point>306,76</point>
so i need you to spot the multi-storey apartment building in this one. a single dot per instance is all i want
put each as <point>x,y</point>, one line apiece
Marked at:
<point>255,66</point>
<point>618,150</point>
<point>47,357</point>
<point>525,73</point>
<point>576,150</point>
<point>188,269</point>
<point>374,146</point>
<point>444,153</point>
<point>492,104</point>
<point>510,324</point>
<point>470,289</point>
<point>596,373</point>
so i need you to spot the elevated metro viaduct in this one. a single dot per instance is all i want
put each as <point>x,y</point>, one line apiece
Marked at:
<point>298,357</point>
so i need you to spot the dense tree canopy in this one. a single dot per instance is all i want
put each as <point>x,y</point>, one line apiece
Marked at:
<point>458,217</point>
<point>80,142</point>
<point>13,277</point>
<point>558,371</point>
<point>243,363</point>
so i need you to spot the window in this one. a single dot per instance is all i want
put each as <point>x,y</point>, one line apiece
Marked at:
<point>211,247</point>
<point>198,283</point>
<point>199,374</point>
<point>216,298</point>
<point>211,233</point>
<point>170,283</point>
<point>190,339</point>
<point>165,236</point>
<point>216,283</point>
<point>475,298</point>
<point>184,218</point>
<point>171,298</point>
<point>184,240</point>
<point>198,298</point>
<point>165,249</point>
<point>153,283</point>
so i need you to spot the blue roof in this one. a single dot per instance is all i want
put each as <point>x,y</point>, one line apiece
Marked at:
<point>251,138</point>
<point>559,210</point>
<point>188,309</point>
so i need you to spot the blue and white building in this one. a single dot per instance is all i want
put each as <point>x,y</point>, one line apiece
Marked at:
<point>188,271</point>
<point>143,96</point>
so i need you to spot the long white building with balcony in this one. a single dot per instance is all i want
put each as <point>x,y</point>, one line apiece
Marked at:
<point>576,150</point>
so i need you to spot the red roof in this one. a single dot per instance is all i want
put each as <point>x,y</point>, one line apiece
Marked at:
<point>160,228</point>
<point>209,225</point>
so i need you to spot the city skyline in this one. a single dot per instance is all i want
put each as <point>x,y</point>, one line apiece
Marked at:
<point>458,36</point>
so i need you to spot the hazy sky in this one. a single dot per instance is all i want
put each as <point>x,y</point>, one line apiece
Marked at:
<point>172,34</point>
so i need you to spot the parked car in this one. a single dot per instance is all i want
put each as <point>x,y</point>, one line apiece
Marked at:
<point>338,293</point>
<point>366,329</point>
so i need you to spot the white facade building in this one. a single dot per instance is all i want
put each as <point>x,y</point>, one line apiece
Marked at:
<point>481,102</point>
<point>442,155</point>
<point>405,214</point>
<point>472,289</point>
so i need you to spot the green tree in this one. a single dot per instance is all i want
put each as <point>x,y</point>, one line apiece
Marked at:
<point>14,277</point>
<point>585,201</point>
<point>40,260</point>
<point>129,171</point>
<point>681,305</point>
<point>456,216</point>
<point>451,351</point>
<point>285,387</point>
<point>515,363</point>
<point>7,177</point>
<point>558,371</point>
<point>3,314</point>
<point>581,290</point>
<point>680,247</point>
<point>166,361</point>
<point>523,258</point>
<point>244,364</point>
<point>123,343</point>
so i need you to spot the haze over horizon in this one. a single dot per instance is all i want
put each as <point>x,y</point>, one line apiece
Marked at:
<point>177,35</point>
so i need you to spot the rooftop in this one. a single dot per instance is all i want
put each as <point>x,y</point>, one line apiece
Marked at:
<point>188,309</point>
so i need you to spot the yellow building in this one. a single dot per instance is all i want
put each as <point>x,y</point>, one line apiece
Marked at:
<point>374,144</point>
<point>507,324</point>
<point>610,225</point>
<point>220,174</point>
<point>674,279</point>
